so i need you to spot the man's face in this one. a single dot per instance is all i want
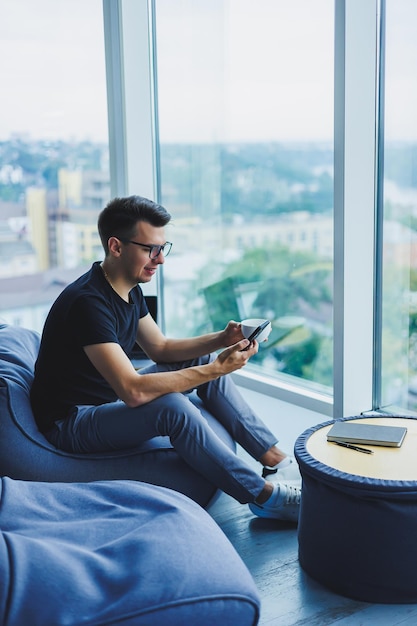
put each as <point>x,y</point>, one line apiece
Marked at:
<point>139,267</point>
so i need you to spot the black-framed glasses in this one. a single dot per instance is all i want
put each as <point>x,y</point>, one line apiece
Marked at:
<point>154,251</point>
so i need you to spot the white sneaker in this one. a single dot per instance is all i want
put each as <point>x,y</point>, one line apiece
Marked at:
<point>283,504</point>
<point>289,473</point>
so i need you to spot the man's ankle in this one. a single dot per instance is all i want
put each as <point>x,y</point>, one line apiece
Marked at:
<point>265,494</point>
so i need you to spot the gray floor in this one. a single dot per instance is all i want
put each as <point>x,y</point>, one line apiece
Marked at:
<point>270,550</point>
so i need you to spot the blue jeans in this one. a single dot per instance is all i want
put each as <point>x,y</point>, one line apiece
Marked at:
<point>116,426</point>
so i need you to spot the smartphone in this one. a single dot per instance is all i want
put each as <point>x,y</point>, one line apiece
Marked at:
<point>256,333</point>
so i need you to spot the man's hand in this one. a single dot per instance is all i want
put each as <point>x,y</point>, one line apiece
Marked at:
<point>235,357</point>
<point>232,333</point>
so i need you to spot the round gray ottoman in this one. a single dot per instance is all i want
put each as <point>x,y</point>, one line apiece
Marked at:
<point>357,530</point>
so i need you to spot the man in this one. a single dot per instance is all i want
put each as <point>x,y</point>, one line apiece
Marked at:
<point>94,400</point>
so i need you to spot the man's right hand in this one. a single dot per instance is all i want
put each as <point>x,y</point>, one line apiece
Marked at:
<point>235,357</point>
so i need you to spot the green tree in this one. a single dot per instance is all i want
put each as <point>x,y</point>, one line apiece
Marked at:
<point>287,286</point>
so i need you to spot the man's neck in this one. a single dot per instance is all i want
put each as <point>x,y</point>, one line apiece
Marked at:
<point>115,284</point>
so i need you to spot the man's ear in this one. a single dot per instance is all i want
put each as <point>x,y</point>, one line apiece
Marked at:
<point>114,245</point>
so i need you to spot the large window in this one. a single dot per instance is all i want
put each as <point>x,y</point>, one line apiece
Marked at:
<point>53,150</point>
<point>233,100</point>
<point>245,108</point>
<point>399,192</point>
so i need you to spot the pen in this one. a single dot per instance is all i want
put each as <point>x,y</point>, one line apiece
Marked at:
<point>344,444</point>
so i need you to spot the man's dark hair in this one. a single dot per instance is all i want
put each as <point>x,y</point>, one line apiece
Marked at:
<point>121,215</point>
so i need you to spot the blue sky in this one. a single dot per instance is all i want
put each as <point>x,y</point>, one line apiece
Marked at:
<point>229,70</point>
<point>52,69</point>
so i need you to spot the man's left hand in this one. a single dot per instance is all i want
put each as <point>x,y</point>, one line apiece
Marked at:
<point>232,333</point>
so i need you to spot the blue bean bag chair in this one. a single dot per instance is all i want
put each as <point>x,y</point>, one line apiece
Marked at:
<point>26,454</point>
<point>116,552</point>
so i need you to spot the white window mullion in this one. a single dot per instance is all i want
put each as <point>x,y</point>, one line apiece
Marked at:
<point>130,71</point>
<point>115,96</point>
<point>354,210</point>
<point>131,102</point>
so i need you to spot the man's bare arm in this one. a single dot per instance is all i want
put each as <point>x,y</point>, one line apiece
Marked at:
<point>162,349</point>
<point>113,364</point>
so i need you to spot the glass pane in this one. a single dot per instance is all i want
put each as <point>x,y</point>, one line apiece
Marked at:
<point>54,174</point>
<point>245,96</point>
<point>399,314</point>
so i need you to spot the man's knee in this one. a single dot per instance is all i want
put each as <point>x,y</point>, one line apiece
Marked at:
<point>176,412</point>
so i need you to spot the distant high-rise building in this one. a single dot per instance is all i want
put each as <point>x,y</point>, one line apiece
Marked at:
<point>38,224</point>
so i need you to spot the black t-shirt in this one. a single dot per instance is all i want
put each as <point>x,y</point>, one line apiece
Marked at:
<point>87,312</point>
